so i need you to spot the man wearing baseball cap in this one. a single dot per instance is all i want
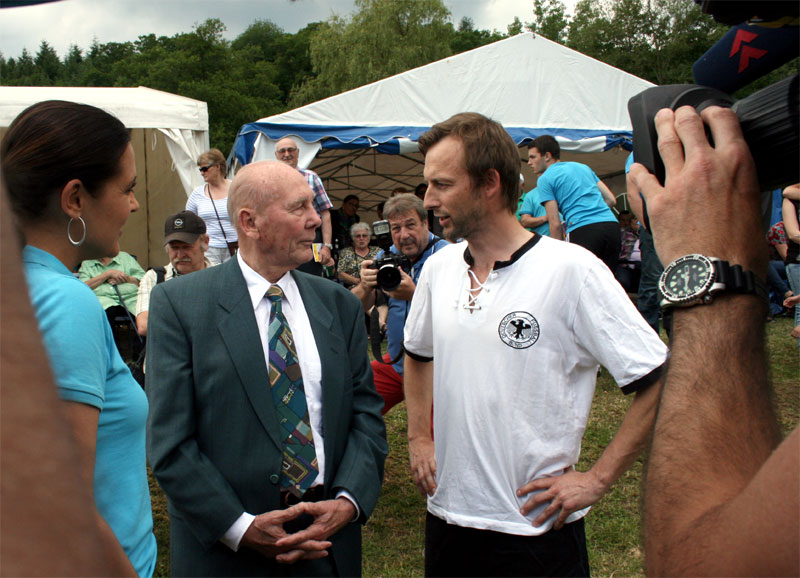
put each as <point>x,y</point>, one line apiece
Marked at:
<point>186,242</point>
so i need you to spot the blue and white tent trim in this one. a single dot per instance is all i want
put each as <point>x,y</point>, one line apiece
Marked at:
<point>531,85</point>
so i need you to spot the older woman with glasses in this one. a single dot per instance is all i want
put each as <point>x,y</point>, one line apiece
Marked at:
<point>210,201</point>
<point>350,258</point>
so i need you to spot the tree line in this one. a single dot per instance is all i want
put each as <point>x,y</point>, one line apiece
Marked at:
<point>265,71</point>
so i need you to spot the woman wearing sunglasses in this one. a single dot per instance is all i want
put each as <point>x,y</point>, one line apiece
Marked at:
<point>210,202</point>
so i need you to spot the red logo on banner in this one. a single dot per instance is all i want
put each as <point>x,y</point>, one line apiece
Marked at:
<point>743,37</point>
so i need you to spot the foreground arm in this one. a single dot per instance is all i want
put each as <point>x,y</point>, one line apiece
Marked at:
<point>418,388</point>
<point>574,490</point>
<point>718,501</point>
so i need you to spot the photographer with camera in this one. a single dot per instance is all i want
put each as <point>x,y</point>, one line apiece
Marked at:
<point>406,246</point>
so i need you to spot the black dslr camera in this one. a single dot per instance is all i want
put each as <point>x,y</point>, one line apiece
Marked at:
<point>390,264</point>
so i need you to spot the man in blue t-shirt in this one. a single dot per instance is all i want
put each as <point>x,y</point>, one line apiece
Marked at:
<point>532,215</point>
<point>584,200</point>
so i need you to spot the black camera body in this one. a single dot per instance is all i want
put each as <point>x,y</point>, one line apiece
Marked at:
<point>769,119</point>
<point>390,264</point>
<point>389,267</point>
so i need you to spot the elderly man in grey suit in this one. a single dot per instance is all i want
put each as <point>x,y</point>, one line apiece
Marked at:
<point>265,429</point>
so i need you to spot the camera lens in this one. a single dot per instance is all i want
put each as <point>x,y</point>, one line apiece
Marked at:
<point>388,277</point>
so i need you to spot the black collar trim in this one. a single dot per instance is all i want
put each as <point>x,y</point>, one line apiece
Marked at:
<point>514,257</point>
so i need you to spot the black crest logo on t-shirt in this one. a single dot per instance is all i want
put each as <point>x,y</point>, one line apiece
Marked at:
<point>519,330</point>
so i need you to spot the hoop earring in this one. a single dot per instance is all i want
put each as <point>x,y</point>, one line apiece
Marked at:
<point>69,235</point>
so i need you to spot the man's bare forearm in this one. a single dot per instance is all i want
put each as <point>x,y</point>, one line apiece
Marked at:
<point>532,222</point>
<point>715,409</point>
<point>608,194</point>
<point>717,501</point>
<point>631,438</point>
<point>418,389</point>
<point>556,231</point>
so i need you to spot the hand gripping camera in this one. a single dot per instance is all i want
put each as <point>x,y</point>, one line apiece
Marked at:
<point>390,264</point>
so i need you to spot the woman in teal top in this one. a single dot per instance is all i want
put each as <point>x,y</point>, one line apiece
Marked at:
<point>70,173</point>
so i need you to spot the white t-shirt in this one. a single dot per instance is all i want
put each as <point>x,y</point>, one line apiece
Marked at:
<point>514,377</point>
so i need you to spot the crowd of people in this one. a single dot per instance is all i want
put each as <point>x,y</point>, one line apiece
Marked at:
<point>262,413</point>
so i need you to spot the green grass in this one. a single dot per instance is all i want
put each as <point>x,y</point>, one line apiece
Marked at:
<point>393,538</point>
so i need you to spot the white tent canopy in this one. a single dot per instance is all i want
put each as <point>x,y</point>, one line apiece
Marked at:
<point>364,141</point>
<point>168,133</point>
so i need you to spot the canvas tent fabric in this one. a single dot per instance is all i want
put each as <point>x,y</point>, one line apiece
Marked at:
<point>168,133</point>
<point>364,141</point>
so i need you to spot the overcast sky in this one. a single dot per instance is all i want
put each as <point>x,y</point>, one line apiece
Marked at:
<point>78,22</point>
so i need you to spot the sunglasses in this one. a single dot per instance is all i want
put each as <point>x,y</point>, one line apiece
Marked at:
<point>205,168</point>
<point>286,150</point>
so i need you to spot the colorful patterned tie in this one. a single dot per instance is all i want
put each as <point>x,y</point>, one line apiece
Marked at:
<point>299,457</point>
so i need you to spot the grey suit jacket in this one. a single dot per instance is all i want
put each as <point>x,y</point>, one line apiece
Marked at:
<point>213,438</point>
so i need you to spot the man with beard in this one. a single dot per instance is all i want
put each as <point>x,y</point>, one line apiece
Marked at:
<point>518,324</point>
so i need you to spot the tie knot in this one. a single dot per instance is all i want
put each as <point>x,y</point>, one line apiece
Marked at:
<point>274,293</point>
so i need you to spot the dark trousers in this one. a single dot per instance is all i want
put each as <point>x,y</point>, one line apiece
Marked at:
<point>649,295</point>
<point>602,239</point>
<point>457,551</point>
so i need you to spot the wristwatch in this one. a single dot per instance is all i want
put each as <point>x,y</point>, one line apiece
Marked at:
<point>696,279</point>
<point>328,245</point>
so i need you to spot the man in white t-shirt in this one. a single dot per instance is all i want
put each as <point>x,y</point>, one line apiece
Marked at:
<point>504,338</point>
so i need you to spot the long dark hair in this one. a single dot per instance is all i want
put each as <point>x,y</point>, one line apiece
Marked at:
<point>53,142</point>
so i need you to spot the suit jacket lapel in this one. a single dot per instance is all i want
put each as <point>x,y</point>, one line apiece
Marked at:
<point>240,332</point>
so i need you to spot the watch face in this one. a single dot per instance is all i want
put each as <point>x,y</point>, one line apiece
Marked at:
<point>686,279</point>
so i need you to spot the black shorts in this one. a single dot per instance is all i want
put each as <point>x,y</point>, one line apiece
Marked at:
<point>457,551</point>
<point>602,239</point>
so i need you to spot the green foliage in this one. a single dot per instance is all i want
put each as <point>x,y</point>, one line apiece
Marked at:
<point>383,38</point>
<point>515,27</point>
<point>657,40</point>
<point>467,37</point>
<point>550,20</point>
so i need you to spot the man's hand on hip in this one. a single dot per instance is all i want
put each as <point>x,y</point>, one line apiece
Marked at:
<point>566,493</point>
